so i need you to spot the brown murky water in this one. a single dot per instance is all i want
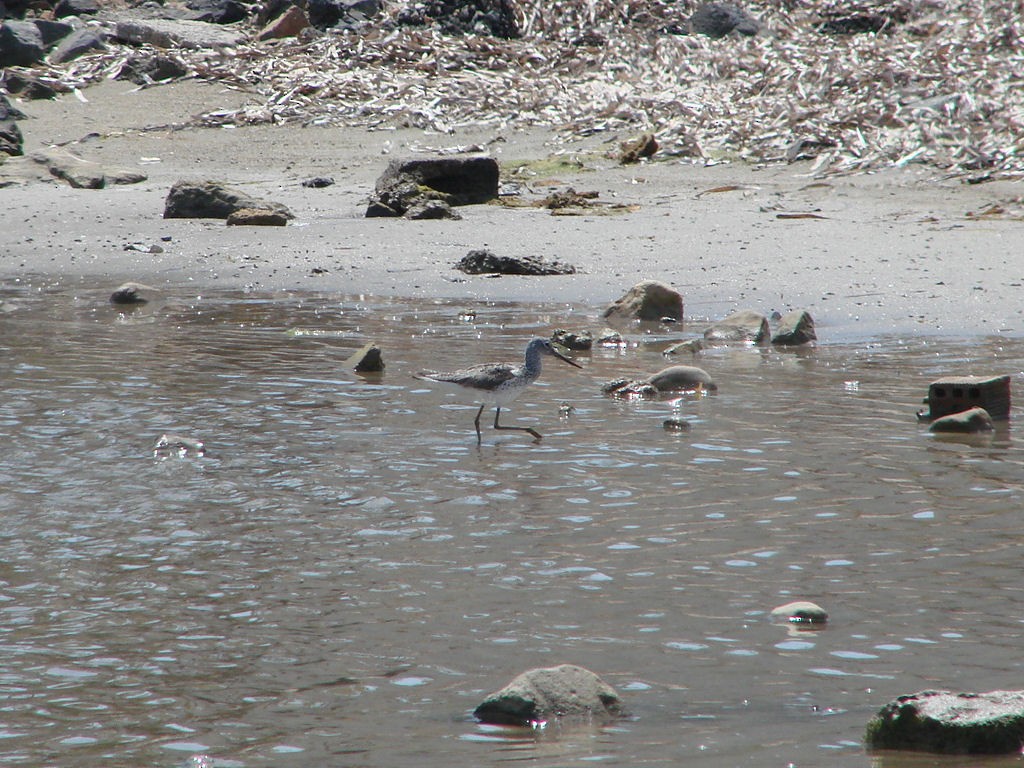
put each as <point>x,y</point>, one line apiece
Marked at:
<point>345,573</point>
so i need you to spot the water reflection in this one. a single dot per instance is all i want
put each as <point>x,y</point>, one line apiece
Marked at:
<point>344,572</point>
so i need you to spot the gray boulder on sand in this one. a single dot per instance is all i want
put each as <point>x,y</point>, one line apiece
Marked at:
<point>452,180</point>
<point>544,693</point>
<point>212,200</point>
<point>951,723</point>
<point>649,300</point>
<point>744,326</point>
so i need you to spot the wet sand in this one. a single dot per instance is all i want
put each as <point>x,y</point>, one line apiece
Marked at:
<point>896,252</point>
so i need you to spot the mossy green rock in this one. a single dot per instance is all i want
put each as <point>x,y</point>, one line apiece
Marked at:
<point>951,723</point>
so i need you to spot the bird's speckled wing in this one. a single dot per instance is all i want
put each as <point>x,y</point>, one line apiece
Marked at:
<point>488,376</point>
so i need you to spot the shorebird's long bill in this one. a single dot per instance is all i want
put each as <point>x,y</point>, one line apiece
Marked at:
<point>560,356</point>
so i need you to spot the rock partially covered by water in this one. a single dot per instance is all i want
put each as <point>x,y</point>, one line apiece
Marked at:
<point>576,341</point>
<point>649,300</point>
<point>746,326</point>
<point>482,261</point>
<point>565,691</point>
<point>133,293</point>
<point>800,612</point>
<point>212,200</point>
<point>675,378</point>
<point>965,422</point>
<point>451,180</point>
<point>369,359</point>
<point>178,446</point>
<point>794,329</point>
<point>951,723</point>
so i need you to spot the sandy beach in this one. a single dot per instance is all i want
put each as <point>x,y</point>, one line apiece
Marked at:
<point>892,252</point>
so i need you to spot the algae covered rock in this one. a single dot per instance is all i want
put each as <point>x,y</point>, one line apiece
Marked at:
<point>951,723</point>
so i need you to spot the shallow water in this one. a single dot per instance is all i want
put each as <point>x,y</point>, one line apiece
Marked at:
<point>345,573</point>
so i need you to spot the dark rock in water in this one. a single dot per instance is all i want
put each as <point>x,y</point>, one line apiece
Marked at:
<point>629,388</point>
<point>21,44</point>
<point>634,150</point>
<point>75,8</point>
<point>482,261</point>
<point>317,182</point>
<point>577,342</point>
<point>675,378</point>
<point>143,70</point>
<point>132,293</point>
<point>801,612</point>
<point>217,11</point>
<point>369,359</point>
<point>794,328</point>
<point>496,18</point>
<point>682,378</point>
<point>745,326</point>
<point>676,425</point>
<point>168,446</point>
<point>609,337</point>
<point>965,422</point>
<point>538,695</point>
<point>11,140</point>
<point>78,43</point>
<point>257,217</point>
<point>690,346</point>
<point>649,300</point>
<point>946,722</point>
<point>455,181</point>
<point>211,200</point>
<point>719,19</point>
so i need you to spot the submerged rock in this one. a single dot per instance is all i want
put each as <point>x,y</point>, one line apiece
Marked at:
<point>682,378</point>
<point>800,612</point>
<point>965,422</point>
<point>649,300</point>
<point>178,446</point>
<point>746,326</point>
<point>369,359</point>
<point>133,293</point>
<point>951,723</point>
<point>565,691</point>
<point>794,328</point>
<point>577,342</point>
<point>675,378</point>
<point>690,346</point>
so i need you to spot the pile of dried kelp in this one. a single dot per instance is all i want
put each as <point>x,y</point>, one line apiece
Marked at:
<point>937,82</point>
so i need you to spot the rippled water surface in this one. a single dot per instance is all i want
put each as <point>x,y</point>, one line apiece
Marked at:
<point>345,573</point>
